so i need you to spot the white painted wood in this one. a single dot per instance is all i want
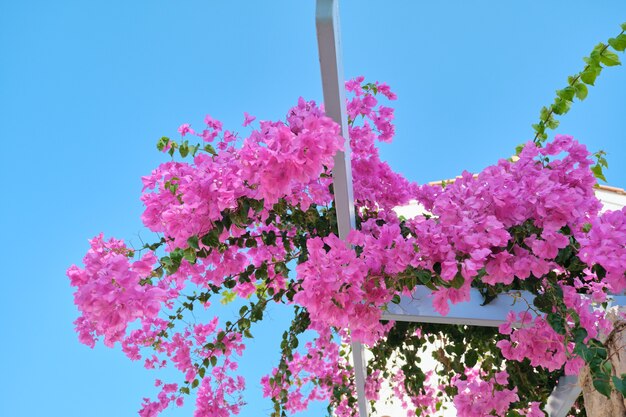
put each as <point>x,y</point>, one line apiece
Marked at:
<point>329,45</point>
<point>611,199</point>
<point>563,396</point>
<point>333,85</point>
<point>419,308</point>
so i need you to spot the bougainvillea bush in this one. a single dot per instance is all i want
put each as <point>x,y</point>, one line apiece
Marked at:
<point>253,218</point>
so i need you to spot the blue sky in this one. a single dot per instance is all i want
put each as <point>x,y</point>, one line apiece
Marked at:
<point>86,89</point>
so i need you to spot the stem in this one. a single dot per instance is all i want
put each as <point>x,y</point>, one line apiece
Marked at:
<point>571,83</point>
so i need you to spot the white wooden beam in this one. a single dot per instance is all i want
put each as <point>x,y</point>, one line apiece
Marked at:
<point>419,308</point>
<point>329,45</point>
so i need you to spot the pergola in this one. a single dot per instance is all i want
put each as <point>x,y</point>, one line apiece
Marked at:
<point>417,308</point>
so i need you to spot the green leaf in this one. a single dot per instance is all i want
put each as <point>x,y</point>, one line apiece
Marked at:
<point>261,272</point>
<point>542,302</point>
<point>227,297</point>
<point>597,349</point>
<point>201,372</point>
<point>593,60</point>
<point>620,384</point>
<point>623,25</point>
<point>195,383</point>
<point>619,43</point>
<point>162,143</point>
<point>269,238</point>
<point>471,357</point>
<point>601,159</point>
<point>424,276</point>
<point>603,386</point>
<point>589,75</point>
<point>184,149</point>
<point>257,205</point>
<point>560,106</point>
<point>610,59</point>
<point>597,172</point>
<point>193,242</point>
<point>190,255</point>
<point>458,281</point>
<point>556,322</point>
<point>553,123</point>
<point>599,47</point>
<point>396,299</point>
<point>583,351</point>
<point>210,149</point>
<point>581,91</point>
<point>211,239</point>
<point>580,335</point>
<point>567,93</point>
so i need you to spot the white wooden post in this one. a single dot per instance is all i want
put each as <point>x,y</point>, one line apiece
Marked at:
<point>329,45</point>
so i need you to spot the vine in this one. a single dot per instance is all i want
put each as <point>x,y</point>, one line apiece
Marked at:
<point>254,219</point>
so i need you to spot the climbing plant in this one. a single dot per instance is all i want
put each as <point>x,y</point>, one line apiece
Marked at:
<point>253,219</point>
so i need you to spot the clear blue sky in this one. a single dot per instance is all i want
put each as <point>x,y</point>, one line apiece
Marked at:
<point>86,88</point>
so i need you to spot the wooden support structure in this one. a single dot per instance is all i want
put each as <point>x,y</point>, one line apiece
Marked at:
<point>329,45</point>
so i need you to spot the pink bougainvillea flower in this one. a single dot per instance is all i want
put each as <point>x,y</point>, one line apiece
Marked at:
<point>247,119</point>
<point>185,128</point>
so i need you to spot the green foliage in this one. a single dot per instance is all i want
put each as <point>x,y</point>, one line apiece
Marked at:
<point>620,383</point>
<point>602,55</point>
<point>283,376</point>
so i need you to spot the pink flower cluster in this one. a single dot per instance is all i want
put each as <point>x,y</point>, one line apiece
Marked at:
<point>478,397</point>
<point>469,230</point>
<point>535,339</point>
<point>168,394</point>
<point>219,393</point>
<point>283,158</point>
<point>338,292</point>
<point>605,245</point>
<point>508,222</point>
<point>278,160</point>
<point>214,398</point>
<point>376,185</point>
<point>591,317</point>
<point>318,370</point>
<point>109,291</point>
<point>425,402</point>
